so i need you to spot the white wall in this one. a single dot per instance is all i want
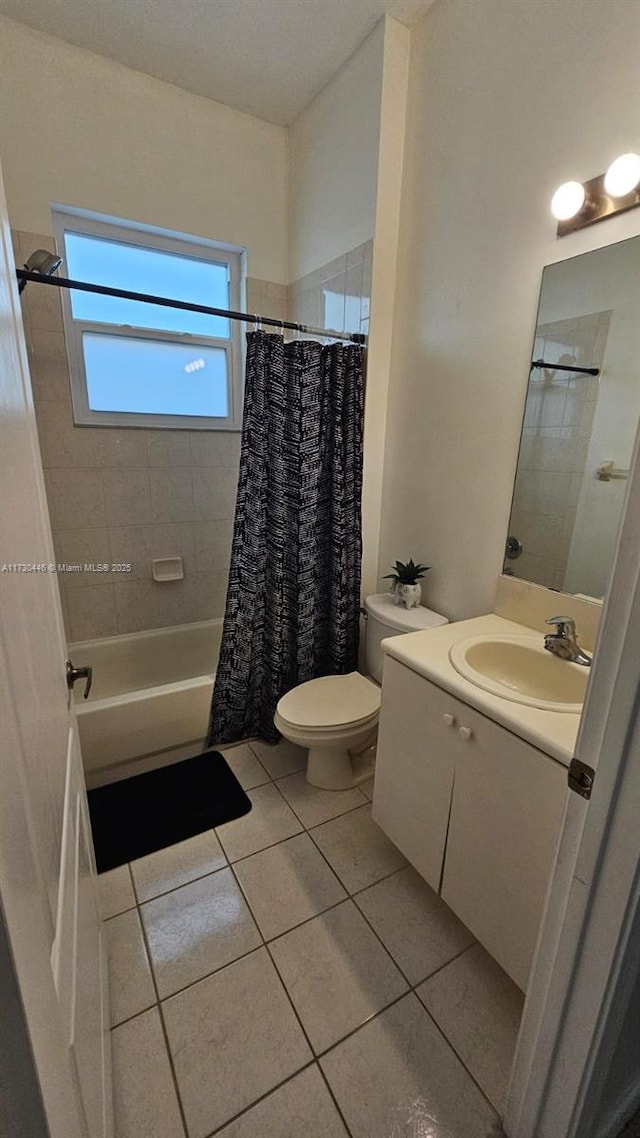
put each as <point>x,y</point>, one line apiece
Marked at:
<point>333,153</point>
<point>506,101</point>
<point>393,114</point>
<point>82,130</point>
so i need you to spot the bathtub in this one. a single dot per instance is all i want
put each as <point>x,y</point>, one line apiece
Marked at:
<point>151,693</point>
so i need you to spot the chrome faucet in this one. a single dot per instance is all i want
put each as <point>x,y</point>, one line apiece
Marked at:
<point>563,642</point>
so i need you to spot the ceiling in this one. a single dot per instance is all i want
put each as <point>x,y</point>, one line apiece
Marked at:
<point>267,57</point>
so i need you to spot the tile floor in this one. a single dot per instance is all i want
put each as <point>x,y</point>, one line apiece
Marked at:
<point>290,976</point>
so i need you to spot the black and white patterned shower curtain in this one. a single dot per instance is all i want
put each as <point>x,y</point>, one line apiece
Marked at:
<point>293,597</point>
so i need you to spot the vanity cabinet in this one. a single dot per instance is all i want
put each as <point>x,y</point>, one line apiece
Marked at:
<point>473,807</point>
<point>414,768</point>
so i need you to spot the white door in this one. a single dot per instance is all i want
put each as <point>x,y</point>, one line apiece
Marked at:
<point>47,871</point>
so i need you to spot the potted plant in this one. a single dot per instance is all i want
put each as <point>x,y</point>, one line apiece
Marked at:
<point>406,587</point>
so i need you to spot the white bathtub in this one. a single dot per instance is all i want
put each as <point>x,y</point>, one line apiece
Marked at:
<point>151,692</point>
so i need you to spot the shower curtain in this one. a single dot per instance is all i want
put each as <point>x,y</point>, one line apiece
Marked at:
<point>292,610</point>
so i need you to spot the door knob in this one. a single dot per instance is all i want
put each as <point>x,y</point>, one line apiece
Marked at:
<point>74,674</point>
<point>465,732</point>
<point>448,718</point>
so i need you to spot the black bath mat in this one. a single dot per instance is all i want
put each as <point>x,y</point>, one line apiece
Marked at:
<point>140,815</point>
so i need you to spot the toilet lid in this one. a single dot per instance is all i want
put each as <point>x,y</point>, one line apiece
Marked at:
<point>331,701</point>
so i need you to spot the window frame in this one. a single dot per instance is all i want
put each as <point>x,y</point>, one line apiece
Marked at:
<point>121,231</point>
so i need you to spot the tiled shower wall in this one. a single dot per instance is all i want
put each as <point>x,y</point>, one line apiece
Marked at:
<point>337,295</point>
<point>126,495</point>
<point>557,427</point>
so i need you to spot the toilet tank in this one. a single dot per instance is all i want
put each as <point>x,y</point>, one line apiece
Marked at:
<point>384,619</point>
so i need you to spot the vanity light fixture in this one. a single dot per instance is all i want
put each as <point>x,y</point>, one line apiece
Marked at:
<point>623,175</point>
<point>576,204</point>
<point>567,200</point>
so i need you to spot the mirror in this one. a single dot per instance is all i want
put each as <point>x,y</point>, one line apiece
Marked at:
<point>579,428</point>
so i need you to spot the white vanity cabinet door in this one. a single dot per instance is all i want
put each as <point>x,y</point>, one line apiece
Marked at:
<point>414,767</point>
<point>507,806</point>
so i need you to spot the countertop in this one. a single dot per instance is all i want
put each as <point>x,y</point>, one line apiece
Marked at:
<point>427,653</point>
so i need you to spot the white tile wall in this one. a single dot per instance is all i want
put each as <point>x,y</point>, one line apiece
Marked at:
<point>337,293</point>
<point>124,495</point>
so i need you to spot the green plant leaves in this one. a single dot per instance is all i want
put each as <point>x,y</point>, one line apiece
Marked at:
<point>407,573</point>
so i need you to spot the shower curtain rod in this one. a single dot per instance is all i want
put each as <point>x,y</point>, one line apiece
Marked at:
<point>166,302</point>
<point>565,367</point>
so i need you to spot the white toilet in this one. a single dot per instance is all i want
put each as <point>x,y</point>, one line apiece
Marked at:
<point>336,717</point>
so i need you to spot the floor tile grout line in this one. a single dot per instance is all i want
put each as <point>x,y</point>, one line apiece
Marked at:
<point>307,829</point>
<point>163,1026</point>
<point>304,828</point>
<point>135,1015</point>
<point>262,848</point>
<point>459,1057</point>
<point>213,972</point>
<point>379,938</point>
<point>374,1015</point>
<point>429,975</point>
<point>266,941</point>
<point>190,881</point>
<point>355,892</point>
<point>349,896</point>
<point>441,967</point>
<point>300,924</point>
<point>334,1099</point>
<point>351,810</point>
<point>138,903</point>
<point>303,1029</point>
<point>391,1004</point>
<point>264,766</point>
<point>412,989</point>
<point>288,995</point>
<point>317,1056</point>
<point>247,1109</point>
<point>120,913</point>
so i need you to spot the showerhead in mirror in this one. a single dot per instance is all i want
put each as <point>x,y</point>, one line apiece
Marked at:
<point>41,262</point>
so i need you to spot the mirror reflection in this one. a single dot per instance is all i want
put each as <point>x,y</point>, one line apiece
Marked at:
<point>581,414</point>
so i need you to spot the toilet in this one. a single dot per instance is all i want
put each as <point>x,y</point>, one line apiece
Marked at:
<point>336,717</point>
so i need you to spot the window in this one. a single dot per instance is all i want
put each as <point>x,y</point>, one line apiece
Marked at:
<point>146,365</point>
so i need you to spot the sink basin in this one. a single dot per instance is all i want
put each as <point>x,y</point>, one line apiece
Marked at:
<point>520,669</point>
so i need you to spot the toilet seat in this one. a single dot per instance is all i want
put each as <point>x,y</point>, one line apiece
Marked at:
<point>336,717</point>
<point>331,703</point>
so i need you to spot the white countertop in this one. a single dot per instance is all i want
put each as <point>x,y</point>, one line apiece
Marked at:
<point>427,653</point>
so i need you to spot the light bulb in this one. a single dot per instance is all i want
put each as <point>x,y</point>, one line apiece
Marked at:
<point>567,200</point>
<point>623,175</point>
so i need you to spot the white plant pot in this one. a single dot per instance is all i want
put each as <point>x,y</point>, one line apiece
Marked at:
<point>408,596</point>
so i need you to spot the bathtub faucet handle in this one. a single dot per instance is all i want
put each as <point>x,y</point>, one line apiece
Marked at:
<point>74,674</point>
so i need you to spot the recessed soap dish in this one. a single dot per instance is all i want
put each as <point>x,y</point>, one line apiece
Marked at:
<point>167,569</point>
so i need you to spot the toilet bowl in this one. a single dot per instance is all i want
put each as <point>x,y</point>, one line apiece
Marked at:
<point>336,717</point>
<point>333,716</point>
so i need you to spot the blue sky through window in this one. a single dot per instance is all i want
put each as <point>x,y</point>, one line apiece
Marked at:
<point>153,271</point>
<point>154,377</point>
